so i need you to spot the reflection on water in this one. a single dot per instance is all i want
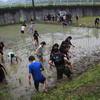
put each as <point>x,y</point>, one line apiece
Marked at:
<point>84,39</point>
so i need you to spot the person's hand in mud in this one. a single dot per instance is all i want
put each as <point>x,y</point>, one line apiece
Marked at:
<point>35,53</point>
<point>73,45</point>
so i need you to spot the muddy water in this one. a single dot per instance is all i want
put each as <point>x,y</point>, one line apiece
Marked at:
<point>86,41</point>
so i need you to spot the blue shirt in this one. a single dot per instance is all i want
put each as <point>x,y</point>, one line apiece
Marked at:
<point>34,69</point>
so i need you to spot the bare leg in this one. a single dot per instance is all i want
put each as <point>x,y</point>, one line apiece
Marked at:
<point>32,30</point>
<point>37,89</point>
<point>44,87</point>
<point>60,80</point>
<point>5,81</point>
<point>72,68</point>
<point>28,31</point>
<point>70,78</point>
<point>2,58</point>
<point>40,59</point>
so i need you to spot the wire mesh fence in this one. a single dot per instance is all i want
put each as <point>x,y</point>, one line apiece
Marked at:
<point>27,3</point>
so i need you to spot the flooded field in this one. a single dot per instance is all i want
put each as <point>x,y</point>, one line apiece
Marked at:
<point>86,50</point>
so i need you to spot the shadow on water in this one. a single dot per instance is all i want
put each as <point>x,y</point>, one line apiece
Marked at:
<point>86,41</point>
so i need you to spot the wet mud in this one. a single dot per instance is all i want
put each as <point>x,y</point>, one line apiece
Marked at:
<point>86,50</point>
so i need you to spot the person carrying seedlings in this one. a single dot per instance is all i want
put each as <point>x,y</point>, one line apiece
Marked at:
<point>2,74</point>
<point>1,50</point>
<point>59,61</point>
<point>35,69</point>
<point>31,27</point>
<point>35,37</point>
<point>68,42</point>
<point>38,51</point>
<point>11,55</point>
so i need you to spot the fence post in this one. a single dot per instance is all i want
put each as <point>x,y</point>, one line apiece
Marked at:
<point>54,2</point>
<point>92,2</point>
<point>60,1</point>
<point>80,2</point>
<point>67,2</point>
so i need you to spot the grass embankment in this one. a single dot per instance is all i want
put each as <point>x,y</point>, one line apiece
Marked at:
<point>85,21</point>
<point>82,22</point>
<point>84,87</point>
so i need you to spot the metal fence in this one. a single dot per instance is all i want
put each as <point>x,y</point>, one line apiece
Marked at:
<point>26,3</point>
<point>68,2</point>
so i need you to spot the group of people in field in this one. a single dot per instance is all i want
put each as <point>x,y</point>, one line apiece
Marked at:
<point>59,58</point>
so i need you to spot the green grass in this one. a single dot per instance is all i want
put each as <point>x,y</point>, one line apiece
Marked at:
<point>84,87</point>
<point>85,21</point>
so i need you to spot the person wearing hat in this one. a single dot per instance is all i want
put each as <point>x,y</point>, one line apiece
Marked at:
<point>59,61</point>
<point>11,55</point>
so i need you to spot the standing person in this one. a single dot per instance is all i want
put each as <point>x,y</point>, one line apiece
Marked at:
<point>49,17</point>
<point>96,22</point>
<point>11,55</point>
<point>12,21</point>
<point>76,18</point>
<point>35,37</point>
<point>31,27</point>
<point>21,20</point>
<point>22,29</point>
<point>35,69</point>
<point>52,18</point>
<point>38,51</point>
<point>2,74</point>
<point>31,20</point>
<point>1,50</point>
<point>68,42</point>
<point>59,61</point>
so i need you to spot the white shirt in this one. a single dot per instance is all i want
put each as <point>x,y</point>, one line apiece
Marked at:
<point>22,28</point>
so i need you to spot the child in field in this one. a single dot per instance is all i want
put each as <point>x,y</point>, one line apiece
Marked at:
<point>31,27</point>
<point>2,74</point>
<point>35,37</point>
<point>38,51</point>
<point>68,41</point>
<point>67,56</point>
<point>11,55</point>
<point>35,69</point>
<point>56,45</point>
<point>1,50</point>
<point>22,29</point>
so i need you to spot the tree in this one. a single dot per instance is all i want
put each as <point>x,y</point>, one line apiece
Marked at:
<point>33,10</point>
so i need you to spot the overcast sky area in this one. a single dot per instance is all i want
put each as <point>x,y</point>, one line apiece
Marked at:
<point>4,0</point>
